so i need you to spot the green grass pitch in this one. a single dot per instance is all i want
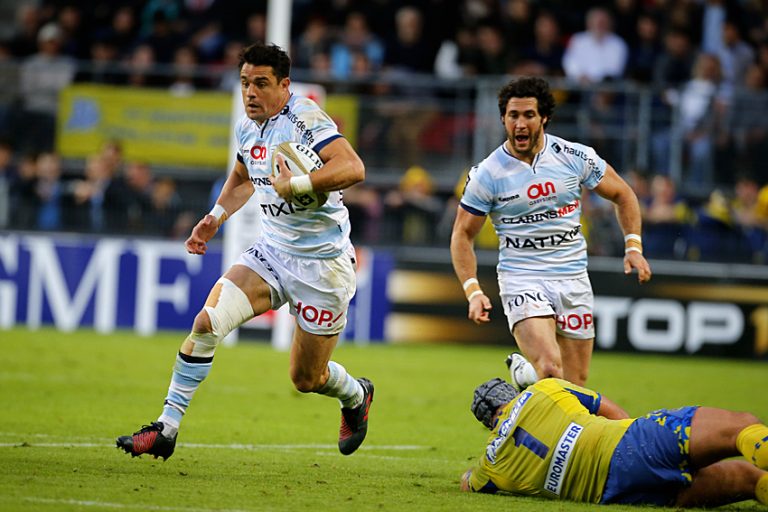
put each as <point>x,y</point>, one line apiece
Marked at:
<point>250,442</point>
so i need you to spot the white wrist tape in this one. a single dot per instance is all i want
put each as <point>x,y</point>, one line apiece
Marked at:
<point>301,185</point>
<point>469,282</point>
<point>474,294</point>
<point>633,249</point>
<point>219,212</point>
<point>634,237</point>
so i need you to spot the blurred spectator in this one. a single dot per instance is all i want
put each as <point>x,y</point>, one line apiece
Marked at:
<point>413,210</point>
<point>598,221</point>
<point>645,49</point>
<point>666,205</point>
<point>165,11</point>
<point>638,180</point>
<point>24,41</point>
<point>167,217</point>
<point>9,91</point>
<point>88,196</point>
<point>750,217</point>
<point>366,209</point>
<point>597,53</point>
<point>665,220</point>
<point>745,205</point>
<point>546,49</point>
<point>50,192</point>
<point>256,28</point>
<point>735,55</point>
<point>626,14</point>
<point>493,56</point>
<point>713,19</point>
<point>407,50</point>
<point>517,23</point>
<point>7,178</point>
<point>321,67</point>
<point>102,68</point>
<point>162,38</point>
<point>24,200</point>
<point>112,151</point>
<point>713,235</point>
<point>122,32</point>
<point>203,23</point>
<point>228,71</point>
<point>604,122</point>
<point>746,128</point>
<point>42,76</point>
<point>140,68</point>
<point>185,65</point>
<point>138,183</point>
<point>313,40</point>
<point>356,38</point>
<point>74,39</point>
<point>701,106</point>
<point>686,16</point>
<point>456,57</point>
<point>675,64</point>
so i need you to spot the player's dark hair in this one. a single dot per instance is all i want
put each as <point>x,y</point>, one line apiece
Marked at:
<point>260,54</point>
<point>529,87</point>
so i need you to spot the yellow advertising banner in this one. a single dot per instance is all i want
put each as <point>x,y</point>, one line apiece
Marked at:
<point>160,128</point>
<point>153,125</point>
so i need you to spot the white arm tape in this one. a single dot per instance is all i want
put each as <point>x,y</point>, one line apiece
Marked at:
<point>634,237</point>
<point>474,294</point>
<point>469,282</point>
<point>633,249</point>
<point>301,185</point>
<point>218,211</point>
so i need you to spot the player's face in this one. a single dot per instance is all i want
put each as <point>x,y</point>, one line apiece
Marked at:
<point>524,126</point>
<point>263,94</point>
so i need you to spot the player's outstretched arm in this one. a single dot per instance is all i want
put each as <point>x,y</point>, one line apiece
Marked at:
<point>236,191</point>
<point>618,191</point>
<point>465,229</point>
<point>609,409</point>
<point>465,481</point>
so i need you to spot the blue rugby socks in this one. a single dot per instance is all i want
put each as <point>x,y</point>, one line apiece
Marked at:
<point>188,373</point>
<point>343,386</point>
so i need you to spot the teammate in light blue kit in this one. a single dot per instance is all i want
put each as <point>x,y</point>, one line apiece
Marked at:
<point>531,187</point>
<point>304,256</point>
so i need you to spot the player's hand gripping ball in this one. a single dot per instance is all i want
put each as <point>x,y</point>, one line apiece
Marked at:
<point>300,160</point>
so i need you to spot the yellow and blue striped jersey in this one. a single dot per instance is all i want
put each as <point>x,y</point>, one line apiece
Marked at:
<point>549,442</point>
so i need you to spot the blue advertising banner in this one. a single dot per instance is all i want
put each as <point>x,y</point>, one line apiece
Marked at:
<point>141,284</point>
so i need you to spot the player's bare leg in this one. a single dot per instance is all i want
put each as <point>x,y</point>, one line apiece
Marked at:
<point>537,341</point>
<point>234,299</point>
<point>576,356</point>
<point>312,370</point>
<point>722,483</point>
<point>718,433</point>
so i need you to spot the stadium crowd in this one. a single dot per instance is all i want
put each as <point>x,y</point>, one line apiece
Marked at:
<point>707,58</point>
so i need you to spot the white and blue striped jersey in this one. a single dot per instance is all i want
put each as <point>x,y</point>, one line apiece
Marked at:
<point>536,209</point>
<point>322,232</point>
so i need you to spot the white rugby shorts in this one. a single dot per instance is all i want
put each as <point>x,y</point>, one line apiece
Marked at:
<point>570,301</point>
<point>317,289</point>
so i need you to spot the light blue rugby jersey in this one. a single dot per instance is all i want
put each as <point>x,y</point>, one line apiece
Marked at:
<point>321,232</point>
<point>536,209</point>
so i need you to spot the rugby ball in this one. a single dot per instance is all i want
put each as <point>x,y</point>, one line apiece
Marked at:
<point>300,159</point>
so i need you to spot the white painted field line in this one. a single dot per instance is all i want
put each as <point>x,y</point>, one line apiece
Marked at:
<point>249,447</point>
<point>126,506</point>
